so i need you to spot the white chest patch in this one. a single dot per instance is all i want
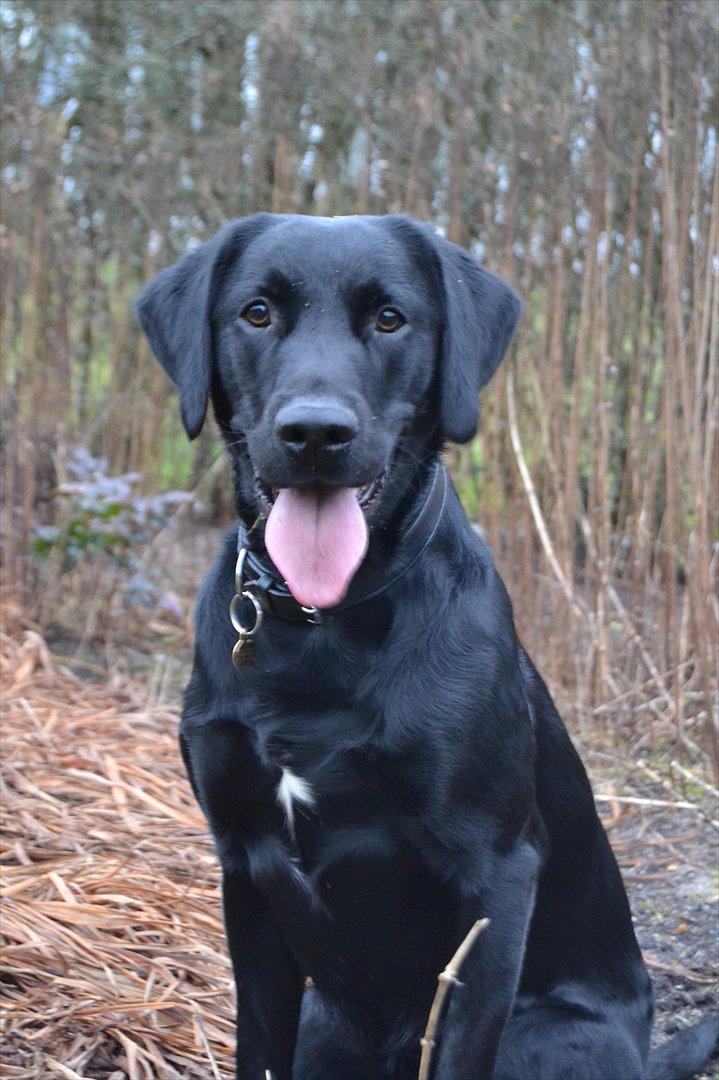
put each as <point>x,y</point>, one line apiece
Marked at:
<point>291,789</point>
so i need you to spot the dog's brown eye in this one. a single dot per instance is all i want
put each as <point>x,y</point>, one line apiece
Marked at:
<point>257,313</point>
<point>389,320</point>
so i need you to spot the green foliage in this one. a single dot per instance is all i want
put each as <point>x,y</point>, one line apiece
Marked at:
<point>102,515</point>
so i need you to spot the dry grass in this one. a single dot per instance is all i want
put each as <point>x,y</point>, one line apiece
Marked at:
<point>114,962</point>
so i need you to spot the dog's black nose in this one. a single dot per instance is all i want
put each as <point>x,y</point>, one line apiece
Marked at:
<point>315,428</point>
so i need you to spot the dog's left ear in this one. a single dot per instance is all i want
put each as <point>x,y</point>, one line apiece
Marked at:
<point>480,315</point>
<point>175,311</point>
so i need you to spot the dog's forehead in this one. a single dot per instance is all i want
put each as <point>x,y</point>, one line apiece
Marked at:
<point>332,251</point>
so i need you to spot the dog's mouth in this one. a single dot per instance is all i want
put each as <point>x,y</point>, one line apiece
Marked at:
<point>317,536</point>
<point>368,496</point>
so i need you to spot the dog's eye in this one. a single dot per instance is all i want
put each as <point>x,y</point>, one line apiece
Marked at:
<point>257,313</point>
<point>389,320</point>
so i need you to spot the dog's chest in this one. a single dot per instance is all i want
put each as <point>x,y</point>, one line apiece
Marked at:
<point>344,837</point>
<point>334,802</point>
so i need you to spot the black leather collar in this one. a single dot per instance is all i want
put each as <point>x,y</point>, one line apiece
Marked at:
<point>258,577</point>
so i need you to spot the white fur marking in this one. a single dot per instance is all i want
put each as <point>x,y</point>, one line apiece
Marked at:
<point>292,787</point>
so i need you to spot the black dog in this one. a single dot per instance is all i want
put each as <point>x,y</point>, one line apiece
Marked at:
<point>385,766</point>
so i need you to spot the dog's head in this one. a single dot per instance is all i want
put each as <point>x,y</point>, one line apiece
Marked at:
<point>328,347</point>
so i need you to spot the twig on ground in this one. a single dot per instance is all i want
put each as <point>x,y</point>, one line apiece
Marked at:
<point>677,970</point>
<point>636,800</point>
<point>449,977</point>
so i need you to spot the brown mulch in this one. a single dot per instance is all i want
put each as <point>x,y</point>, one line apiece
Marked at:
<point>114,963</point>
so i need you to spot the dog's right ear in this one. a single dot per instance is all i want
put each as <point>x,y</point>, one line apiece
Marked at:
<point>175,312</point>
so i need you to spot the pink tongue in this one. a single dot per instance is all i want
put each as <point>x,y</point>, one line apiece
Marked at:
<point>317,541</point>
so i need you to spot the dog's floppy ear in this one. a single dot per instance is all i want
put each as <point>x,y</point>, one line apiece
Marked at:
<point>175,312</point>
<point>480,315</point>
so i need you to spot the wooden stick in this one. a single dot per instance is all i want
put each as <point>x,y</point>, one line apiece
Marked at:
<point>448,978</point>
<point>635,800</point>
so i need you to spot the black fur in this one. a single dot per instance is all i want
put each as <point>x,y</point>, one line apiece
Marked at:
<point>446,787</point>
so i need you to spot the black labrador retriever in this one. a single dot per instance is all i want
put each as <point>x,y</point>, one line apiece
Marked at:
<point>382,765</point>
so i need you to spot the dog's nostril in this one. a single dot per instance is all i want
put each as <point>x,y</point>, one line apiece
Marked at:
<point>292,434</point>
<point>337,436</point>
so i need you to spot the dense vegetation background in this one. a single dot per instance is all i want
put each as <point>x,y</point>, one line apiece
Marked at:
<point>571,145</point>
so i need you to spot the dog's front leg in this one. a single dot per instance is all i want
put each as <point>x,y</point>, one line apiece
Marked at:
<point>482,1001</point>
<point>237,797</point>
<point>269,983</point>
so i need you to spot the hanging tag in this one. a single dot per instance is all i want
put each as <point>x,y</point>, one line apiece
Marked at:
<point>243,654</point>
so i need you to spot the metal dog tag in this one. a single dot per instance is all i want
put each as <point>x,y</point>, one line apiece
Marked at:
<point>243,653</point>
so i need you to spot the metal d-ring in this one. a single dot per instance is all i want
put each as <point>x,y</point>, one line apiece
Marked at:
<point>245,631</point>
<point>240,569</point>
